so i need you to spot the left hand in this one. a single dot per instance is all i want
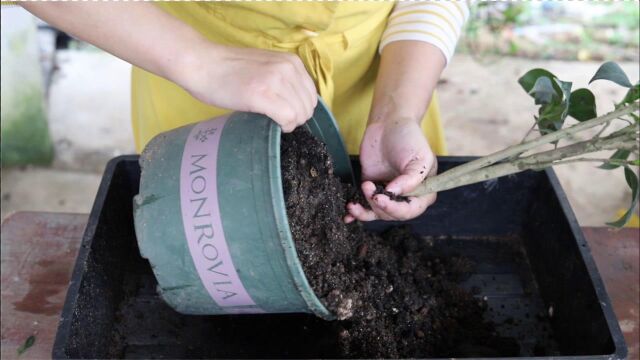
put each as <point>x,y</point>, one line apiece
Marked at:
<point>394,151</point>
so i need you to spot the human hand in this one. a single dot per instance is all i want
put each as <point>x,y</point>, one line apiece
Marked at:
<point>396,151</point>
<point>272,83</point>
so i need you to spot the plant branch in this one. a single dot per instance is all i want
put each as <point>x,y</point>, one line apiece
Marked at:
<point>529,145</point>
<point>606,125</point>
<point>624,140</point>
<point>606,161</point>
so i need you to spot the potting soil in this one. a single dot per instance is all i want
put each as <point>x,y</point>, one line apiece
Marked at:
<point>394,295</point>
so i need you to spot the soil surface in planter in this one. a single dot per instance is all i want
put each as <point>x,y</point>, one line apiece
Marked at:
<point>393,294</point>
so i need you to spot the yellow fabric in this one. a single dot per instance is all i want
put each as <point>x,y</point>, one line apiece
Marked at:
<point>337,42</point>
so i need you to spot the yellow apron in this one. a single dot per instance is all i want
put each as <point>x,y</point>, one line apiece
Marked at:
<point>337,42</point>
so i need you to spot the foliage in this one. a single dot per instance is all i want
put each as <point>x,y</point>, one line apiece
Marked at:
<point>632,180</point>
<point>624,14</point>
<point>557,102</point>
<point>581,31</point>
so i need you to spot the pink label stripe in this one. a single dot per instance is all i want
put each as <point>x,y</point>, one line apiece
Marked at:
<point>201,218</point>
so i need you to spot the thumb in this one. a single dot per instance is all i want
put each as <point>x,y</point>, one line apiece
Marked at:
<point>413,174</point>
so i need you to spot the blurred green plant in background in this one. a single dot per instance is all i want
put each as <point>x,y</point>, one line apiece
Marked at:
<point>586,30</point>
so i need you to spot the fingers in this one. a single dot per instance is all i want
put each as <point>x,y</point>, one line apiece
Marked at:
<point>400,210</point>
<point>349,218</point>
<point>267,82</point>
<point>278,108</point>
<point>416,170</point>
<point>309,88</point>
<point>300,104</point>
<point>291,97</point>
<point>358,212</point>
<point>383,208</point>
<point>297,86</point>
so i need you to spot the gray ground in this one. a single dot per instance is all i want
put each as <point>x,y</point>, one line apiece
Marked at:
<point>483,107</point>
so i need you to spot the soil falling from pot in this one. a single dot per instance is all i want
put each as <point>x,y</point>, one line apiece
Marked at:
<point>393,294</point>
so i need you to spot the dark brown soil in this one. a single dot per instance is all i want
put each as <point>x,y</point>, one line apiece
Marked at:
<point>395,197</point>
<point>393,294</point>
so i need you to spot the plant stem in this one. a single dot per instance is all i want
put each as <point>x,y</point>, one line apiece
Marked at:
<point>624,139</point>
<point>607,161</point>
<point>529,145</point>
<point>606,125</point>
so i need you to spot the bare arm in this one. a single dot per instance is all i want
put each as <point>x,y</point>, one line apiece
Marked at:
<point>275,84</point>
<point>139,33</point>
<point>409,72</point>
<point>393,148</point>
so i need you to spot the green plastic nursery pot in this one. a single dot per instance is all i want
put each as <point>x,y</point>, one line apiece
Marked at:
<point>211,218</point>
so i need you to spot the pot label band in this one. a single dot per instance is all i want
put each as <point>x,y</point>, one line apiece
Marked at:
<point>201,218</point>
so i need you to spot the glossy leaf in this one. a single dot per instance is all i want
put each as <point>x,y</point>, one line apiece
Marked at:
<point>632,181</point>
<point>582,105</point>
<point>613,72</point>
<point>620,155</point>
<point>528,80</point>
<point>565,87</point>
<point>550,118</point>
<point>543,91</point>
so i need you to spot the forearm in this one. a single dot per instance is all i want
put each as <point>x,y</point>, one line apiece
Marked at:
<point>139,33</point>
<point>408,74</point>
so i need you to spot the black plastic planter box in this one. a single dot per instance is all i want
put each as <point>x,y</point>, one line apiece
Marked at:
<point>534,269</point>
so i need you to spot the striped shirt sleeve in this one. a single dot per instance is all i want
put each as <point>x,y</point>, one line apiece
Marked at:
<point>433,21</point>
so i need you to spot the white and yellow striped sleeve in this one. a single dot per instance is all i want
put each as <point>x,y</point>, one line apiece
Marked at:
<point>436,22</point>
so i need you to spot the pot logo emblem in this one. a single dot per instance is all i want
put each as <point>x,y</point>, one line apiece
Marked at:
<point>201,219</point>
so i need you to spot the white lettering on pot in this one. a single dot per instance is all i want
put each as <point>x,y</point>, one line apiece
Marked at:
<point>202,222</point>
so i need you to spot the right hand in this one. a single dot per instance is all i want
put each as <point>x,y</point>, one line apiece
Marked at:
<point>275,84</point>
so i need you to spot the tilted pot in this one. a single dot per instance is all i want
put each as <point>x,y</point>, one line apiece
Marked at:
<point>211,219</point>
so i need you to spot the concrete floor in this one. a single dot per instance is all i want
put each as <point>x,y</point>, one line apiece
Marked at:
<point>483,107</point>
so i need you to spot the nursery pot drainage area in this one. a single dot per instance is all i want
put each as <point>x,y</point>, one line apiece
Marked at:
<point>225,239</point>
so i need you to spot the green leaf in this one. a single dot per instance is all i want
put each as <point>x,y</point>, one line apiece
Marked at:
<point>543,91</point>
<point>565,87</point>
<point>582,105</point>
<point>620,155</point>
<point>528,80</point>
<point>27,344</point>
<point>632,181</point>
<point>624,219</point>
<point>550,118</point>
<point>613,72</point>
